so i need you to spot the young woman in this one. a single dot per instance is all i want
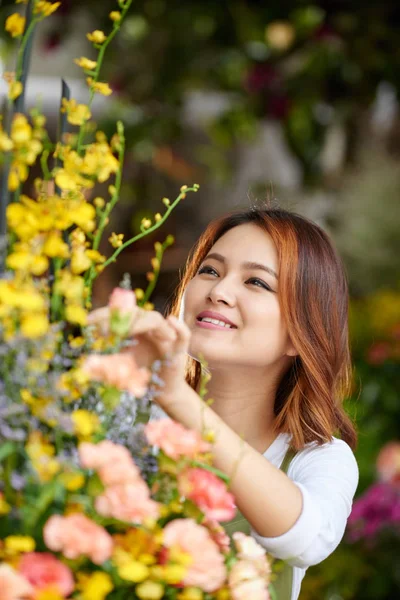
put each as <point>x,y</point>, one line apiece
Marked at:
<point>264,303</point>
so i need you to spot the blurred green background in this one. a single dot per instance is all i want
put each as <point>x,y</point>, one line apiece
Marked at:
<point>252,98</point>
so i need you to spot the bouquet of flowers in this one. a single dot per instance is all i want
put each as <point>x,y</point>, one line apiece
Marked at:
<point>96,500</point>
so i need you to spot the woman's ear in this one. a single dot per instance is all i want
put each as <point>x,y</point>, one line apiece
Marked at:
<point>291,350</point>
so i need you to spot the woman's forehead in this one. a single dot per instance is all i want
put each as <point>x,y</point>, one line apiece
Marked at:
<point>247,243</point>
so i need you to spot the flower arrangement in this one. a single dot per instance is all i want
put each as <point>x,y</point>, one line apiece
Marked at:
<point>96,501</point>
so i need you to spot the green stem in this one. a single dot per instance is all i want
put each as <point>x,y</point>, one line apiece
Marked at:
<point>56,299</point>
<point>44,165</point>
<point>9,466</point>
<point>220,474</point>
<point>118,181</point>
<point>110,205</point>
<point>20,56</point>
<point>153,282</point>
<point>150,229</point>
<point>103,48</point>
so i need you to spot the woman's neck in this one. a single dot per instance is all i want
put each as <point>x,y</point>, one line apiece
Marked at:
<point>245,401</point>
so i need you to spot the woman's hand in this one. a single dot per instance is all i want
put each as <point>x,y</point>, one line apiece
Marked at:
<point>155,338</point>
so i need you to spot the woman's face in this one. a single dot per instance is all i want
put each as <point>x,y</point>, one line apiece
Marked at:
<point>232,307</point>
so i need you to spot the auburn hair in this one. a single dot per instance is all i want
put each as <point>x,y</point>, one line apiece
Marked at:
<point>313,297</point>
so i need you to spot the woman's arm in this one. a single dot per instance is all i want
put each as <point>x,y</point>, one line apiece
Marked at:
<point>269,500</point>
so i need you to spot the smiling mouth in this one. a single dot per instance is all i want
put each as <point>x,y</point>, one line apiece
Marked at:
<point>215,322</point>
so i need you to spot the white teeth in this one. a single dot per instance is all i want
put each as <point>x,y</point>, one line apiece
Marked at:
<point>216,322</point>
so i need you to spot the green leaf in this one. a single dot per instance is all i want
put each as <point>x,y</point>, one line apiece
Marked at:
<point>7,449</point>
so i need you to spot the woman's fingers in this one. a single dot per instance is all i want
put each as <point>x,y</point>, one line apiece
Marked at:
<point>100,317</point>
<point>182,331</point>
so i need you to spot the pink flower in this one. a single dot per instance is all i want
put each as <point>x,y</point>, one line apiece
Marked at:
<point>207,569</point>
<point>113,462</point>
<point>122,305</point>
<point>174,439</point>
<point>129,502</point>
<point>14,586</point>
<point>76,535</point>
<point>43,570</point>
<point>94,456</point>
<point>124,301</point>
<point>388,463</point>
<point>118,370</point>
<point>209,493</point>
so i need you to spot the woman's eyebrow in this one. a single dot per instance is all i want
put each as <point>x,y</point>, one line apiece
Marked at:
<point>245,265</point>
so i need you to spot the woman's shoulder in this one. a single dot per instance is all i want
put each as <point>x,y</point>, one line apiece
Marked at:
<point>333,459</point>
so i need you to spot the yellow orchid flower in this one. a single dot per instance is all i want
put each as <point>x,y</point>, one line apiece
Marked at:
<point>55,247</point>
<point>46,8</point>
<point>34,325</point>
<point>99,87</point>
<point>76,314</point>
<point>94,586</point>
<point>115,15</point>
<point>6,144</point>
<point>97,36</point>
<point>15,25</point>
<point>86,63</point>
<point>78,114</point>
<point>79,261</point>
<point>85,423</point>
<point>15,90</point>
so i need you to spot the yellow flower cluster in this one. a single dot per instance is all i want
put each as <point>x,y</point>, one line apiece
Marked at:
<point>116,239</point>
<point>97,163</point>
<point>25,142</point>
<point>94,586</point>
<point>74,383</point>
<point>86,424</point>
<point>135,558</point>
<point>39,226</point>
<point>45,9</point>
<point>78,114</point>
<point>41,454</point>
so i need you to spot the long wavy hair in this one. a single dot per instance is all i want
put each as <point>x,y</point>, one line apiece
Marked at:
<point>313,296</point>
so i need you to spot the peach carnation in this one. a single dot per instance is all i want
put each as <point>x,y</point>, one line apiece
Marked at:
<point>118,370</point>
<point>13,586</point>
<point>129,502</point>
<point>207,569</point>
<point>209,493</point>
<point>76,535</point>
<point>113,462</point>
<point>174,439</point>
<point>43,570</point>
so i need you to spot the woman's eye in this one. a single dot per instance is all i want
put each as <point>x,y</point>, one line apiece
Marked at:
<point>208,270</point>
<point>259,283</point>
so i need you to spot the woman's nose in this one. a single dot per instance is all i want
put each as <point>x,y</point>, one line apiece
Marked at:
<point>221,292</point>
